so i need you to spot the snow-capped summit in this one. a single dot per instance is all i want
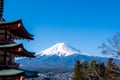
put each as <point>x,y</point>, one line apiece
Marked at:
<point>60,49</point>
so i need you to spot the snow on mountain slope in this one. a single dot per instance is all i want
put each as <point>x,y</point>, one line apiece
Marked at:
<point>60,49</point>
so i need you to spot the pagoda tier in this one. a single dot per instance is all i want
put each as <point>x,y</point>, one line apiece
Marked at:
<point>11,74</point>
<point>13,30</point>
<point>8,52</point>
<point>17,49</point>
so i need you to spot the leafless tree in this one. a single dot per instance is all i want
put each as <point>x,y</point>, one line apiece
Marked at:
<point>112,46</point>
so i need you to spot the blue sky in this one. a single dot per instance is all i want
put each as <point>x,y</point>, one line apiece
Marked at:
<point>83,24</point>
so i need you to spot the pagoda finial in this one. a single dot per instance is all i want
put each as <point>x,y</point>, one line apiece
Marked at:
<point>1,9</point>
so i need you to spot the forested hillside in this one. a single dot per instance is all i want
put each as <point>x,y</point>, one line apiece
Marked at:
<point>96,70</point>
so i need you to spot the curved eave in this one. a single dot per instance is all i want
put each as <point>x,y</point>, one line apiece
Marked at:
<point>21,52</point>
<point>24,54</point>
<point>27,53</point>
<point>10,72</point>
<point>16,28</point>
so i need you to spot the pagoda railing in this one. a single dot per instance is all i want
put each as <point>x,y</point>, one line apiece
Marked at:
<point>10,65</point>
<point>4,42</point>
<point>13,64</point>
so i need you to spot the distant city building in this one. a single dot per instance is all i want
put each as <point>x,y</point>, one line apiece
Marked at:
<point>46,79</point>
<point>55,76</point>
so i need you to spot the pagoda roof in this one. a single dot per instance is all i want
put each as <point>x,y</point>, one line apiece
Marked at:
<point>16,28</point>
<point>10,72</point>
<point>17,49</point>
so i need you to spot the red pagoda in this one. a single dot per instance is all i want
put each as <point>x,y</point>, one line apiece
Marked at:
<point>9,49</point>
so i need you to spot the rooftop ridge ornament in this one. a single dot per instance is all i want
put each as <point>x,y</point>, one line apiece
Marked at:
<point>1,10</point>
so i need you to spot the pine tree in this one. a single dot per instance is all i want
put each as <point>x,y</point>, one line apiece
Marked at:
<point>93,65</point>
<point>109,66</point>
<point>85,68</point>
<point>101,68</point>
<point>111,69</point>
<point>78,71</point>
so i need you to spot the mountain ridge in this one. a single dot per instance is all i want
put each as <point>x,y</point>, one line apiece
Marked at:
<point>57,61</point>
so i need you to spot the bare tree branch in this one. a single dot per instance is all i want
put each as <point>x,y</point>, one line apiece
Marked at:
<point>112,46</point>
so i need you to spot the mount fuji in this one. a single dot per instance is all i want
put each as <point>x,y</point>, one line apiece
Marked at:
<point>60,56</point>
<point>61,50</point>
